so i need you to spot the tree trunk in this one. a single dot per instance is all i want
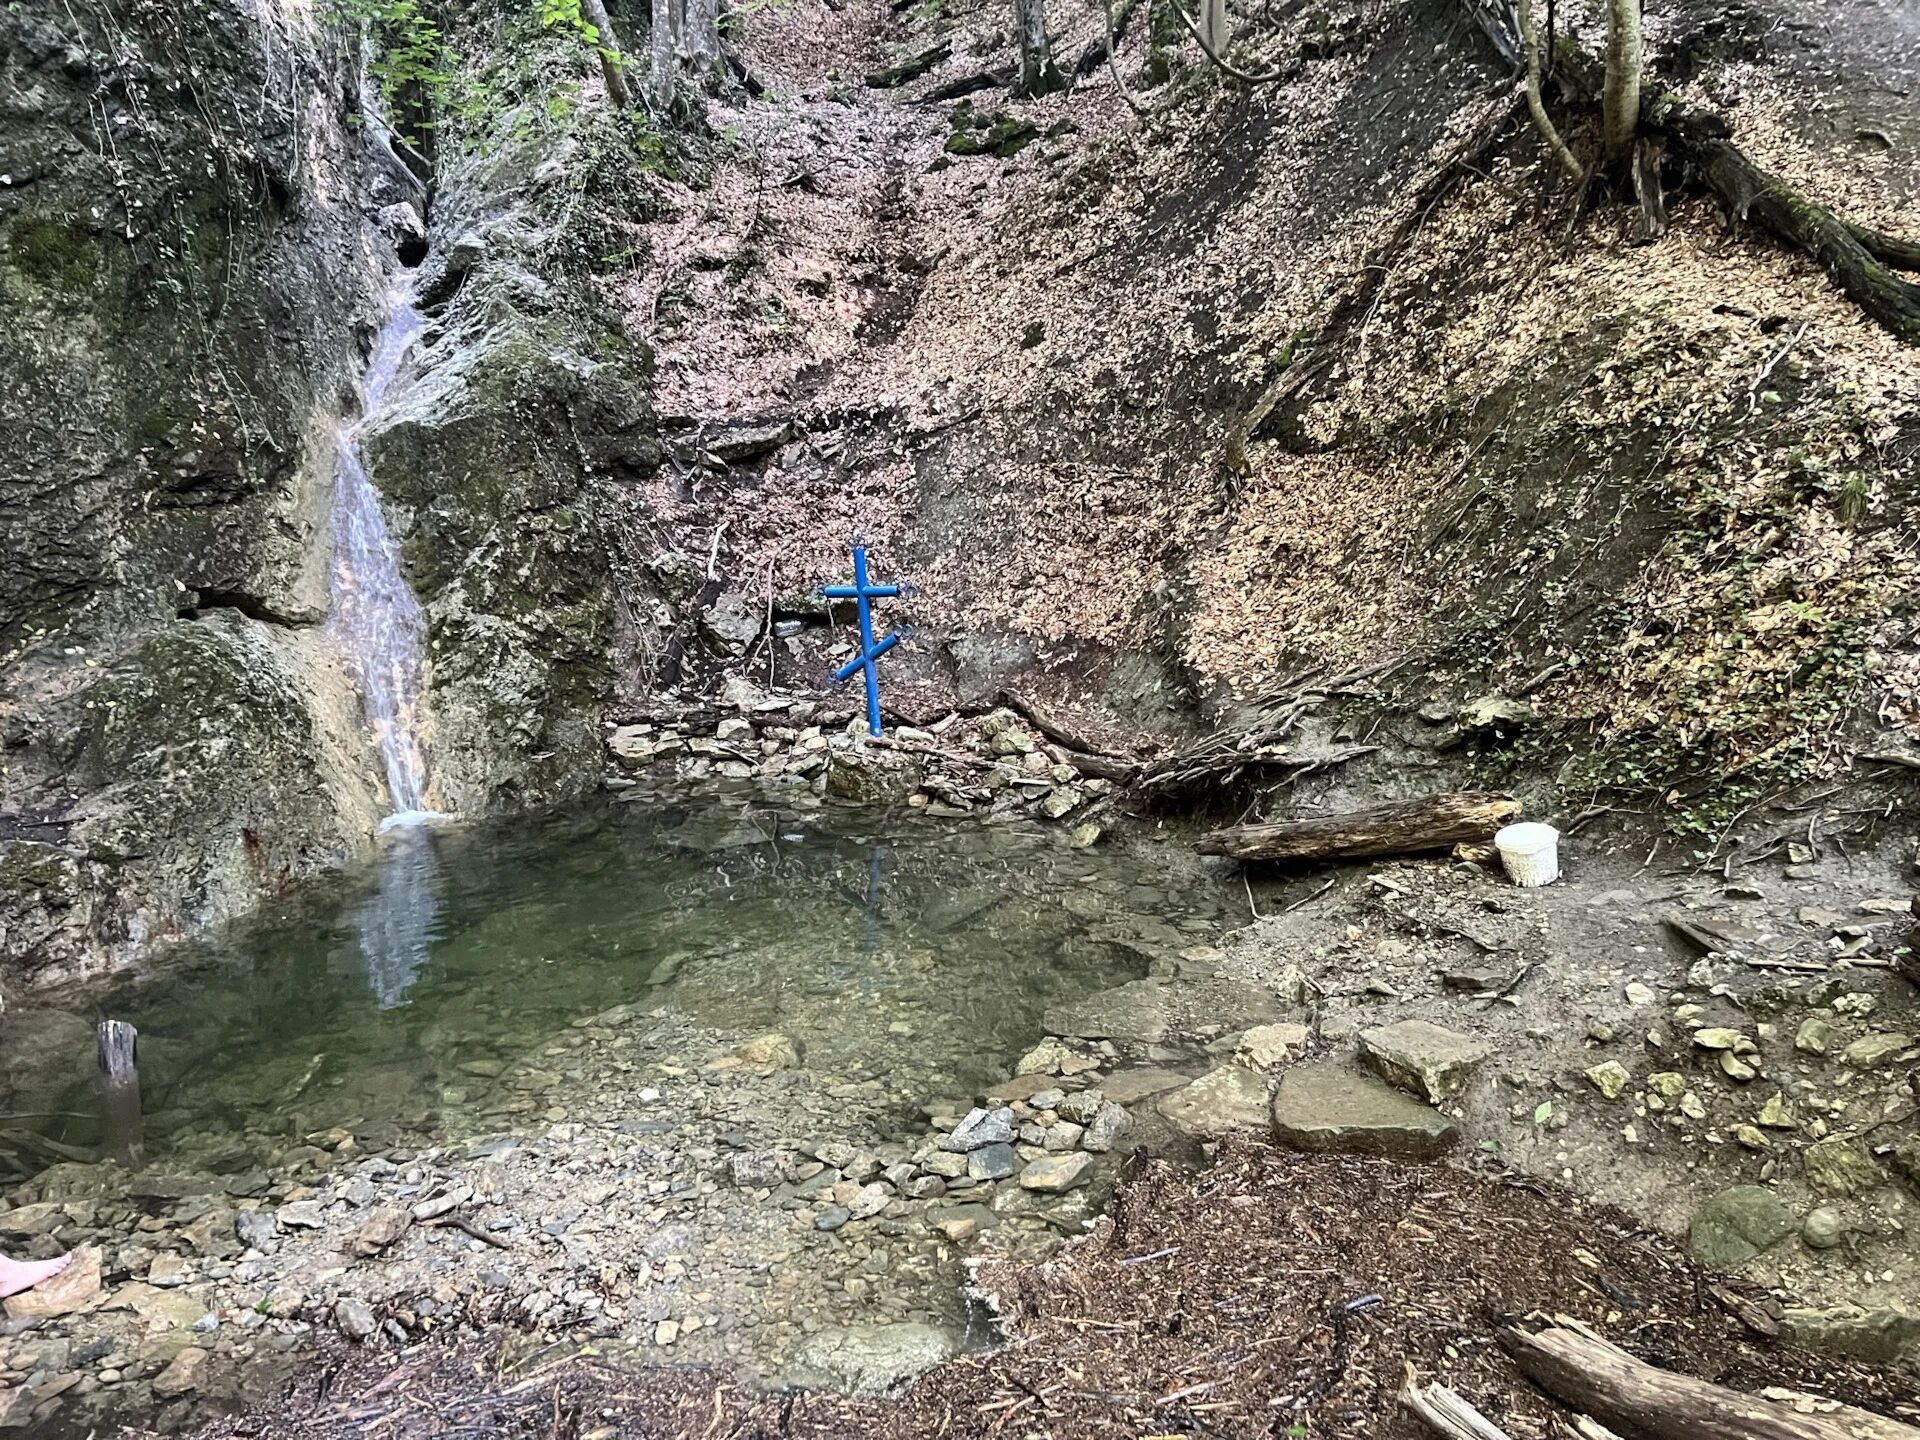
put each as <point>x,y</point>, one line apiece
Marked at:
<point>1403,828</point>
<point>703,41</point>
<point>1037,73</point>
<point>1861,261</point>
<point>1642,1402</point>
<point>1620,101</point>
<point>663,52</point>
<point>1213,26</point>
<point>612,62</point>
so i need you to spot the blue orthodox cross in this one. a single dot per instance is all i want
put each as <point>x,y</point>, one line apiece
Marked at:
<point>861,591</point>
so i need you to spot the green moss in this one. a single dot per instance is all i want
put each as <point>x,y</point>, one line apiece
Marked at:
<point>53,252</point>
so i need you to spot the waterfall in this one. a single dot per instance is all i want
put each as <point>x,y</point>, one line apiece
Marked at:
<point>379,627</point>
<point>376,619</point>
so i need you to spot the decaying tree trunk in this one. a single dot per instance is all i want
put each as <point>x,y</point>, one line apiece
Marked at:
<point>1038,74</point>
<point>1642,1402</point>
<point>1406,827</point>
<point>613,62</point>
<point>1446,1414</point>
<point>1620,101</point>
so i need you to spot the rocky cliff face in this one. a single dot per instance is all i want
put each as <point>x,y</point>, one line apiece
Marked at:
<point>182,250</point>
<point>200,212</point>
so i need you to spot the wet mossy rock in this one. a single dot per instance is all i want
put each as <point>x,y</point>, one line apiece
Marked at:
<point>175,336</point>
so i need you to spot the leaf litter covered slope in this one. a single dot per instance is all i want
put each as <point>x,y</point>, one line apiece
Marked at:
<point>1684,468</point>
<point>1272,1295</point>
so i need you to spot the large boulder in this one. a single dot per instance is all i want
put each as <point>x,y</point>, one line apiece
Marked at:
<point>867,775</point>
<point>1327,1108</point>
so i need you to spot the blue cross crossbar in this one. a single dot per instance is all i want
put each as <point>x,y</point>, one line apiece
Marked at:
<point>862,591</point>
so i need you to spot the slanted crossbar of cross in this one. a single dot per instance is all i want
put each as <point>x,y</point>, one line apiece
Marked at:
<point>862,591</point>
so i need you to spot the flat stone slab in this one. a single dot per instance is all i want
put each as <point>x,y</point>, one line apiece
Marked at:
<point>1131,1085</point>
<point>1327,1108</point>
<point>867,1359</point>
<point>1422,1058</point>
<point>1221,1102</point>
<point>1136,1011</point>
<point>1054,1174</point>
<point>1737,1224</point>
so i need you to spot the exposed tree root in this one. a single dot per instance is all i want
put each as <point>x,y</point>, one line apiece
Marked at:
<point>1859,260</point>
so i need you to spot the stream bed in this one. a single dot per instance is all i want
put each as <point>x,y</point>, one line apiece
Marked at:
<point>651,1050</point>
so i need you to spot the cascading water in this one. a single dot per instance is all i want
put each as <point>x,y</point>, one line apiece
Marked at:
<point>379,627</point>
<point>376,619</point>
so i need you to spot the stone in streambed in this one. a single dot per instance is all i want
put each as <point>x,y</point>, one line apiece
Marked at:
<point>1265,1046</point>
<point>1836,1167</point>
<point>1824,1228</point>
<point>1327,1108</point>
<point>980,1127</point>
<point>184,1374</point>
<point>1106,1127</point>
<point>992,1162</point>
<point>775,1052</point>
<point>72,1289</point>
<point>1131,1085</point>
<point>1738,1224</point>
<point>1230,1099</point>
<point>1053,1174</point>
<point>1422,1058</point>
<point>1053,1057</point>
<point>1136,1011</point>
<point>355,1318</point>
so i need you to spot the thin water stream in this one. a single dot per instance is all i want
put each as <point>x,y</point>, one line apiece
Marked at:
<point>376,619</point>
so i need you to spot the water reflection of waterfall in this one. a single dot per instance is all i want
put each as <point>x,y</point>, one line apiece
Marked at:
<point>376,620</point>
<point>379,627</point>
<point>399,921</point>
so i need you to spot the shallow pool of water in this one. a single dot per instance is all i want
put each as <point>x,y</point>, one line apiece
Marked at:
<point>383,1001</point>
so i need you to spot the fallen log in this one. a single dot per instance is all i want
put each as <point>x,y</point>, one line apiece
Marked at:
<point>1433,822</point>
<point>1445,1413</point>
<point>1639,1401</point>
<point>892,77</point>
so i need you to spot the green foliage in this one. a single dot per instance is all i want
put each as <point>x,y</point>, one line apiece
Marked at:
<point>410,54</point>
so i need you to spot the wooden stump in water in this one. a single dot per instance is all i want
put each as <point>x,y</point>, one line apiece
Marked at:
<point>120,1092</point>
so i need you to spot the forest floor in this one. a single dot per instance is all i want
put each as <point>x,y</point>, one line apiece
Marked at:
<point>1269,1295</point>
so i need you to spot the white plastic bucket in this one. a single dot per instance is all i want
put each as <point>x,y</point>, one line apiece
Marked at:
<point>1530,853</point>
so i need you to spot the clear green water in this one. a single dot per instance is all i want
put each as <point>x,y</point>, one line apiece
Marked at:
<point>384,1000</point>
